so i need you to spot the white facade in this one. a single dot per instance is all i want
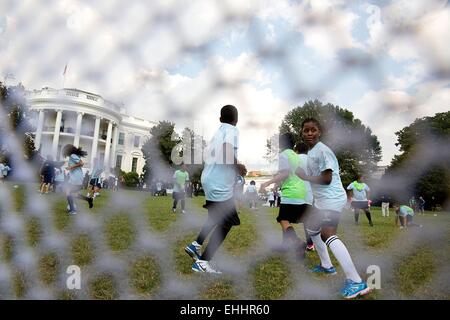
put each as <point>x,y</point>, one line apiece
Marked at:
<point>100,127</point>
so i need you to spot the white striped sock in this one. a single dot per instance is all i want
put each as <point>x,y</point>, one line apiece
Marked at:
<point>343,257</point>
<point>322,251</point>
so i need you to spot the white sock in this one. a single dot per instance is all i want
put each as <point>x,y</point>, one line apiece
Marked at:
<point>196,244</point>
<point>341,253</point>
<point>322,251</point>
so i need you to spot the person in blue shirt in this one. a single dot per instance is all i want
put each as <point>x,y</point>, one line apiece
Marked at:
<point>94,181</point>
<point>219,182</point>
<point>4,170</point>
<point>47,173</point>
<point>180,178</point>
<point>58,182</point>
<point>405,215</point>
<point>75,183</point>
<point>330,199</point>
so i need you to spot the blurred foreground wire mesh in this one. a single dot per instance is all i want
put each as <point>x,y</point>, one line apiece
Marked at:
<point>181,61</point>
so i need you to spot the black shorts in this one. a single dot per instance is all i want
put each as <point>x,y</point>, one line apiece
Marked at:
<point>223,213</point>
<point>48,179</point>
<point>316,219</point>
<point>294,213</point>
<point>179,196</point>
<point>95,183</point>
<point>360,204</point>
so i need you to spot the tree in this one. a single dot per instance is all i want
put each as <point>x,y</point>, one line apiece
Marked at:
<point>165,146</point>
<point>14,107</point>
<point>356,148</point>
<point>423,167</point>
<point>157,151</point>
<point>131,179</point>
<point>191,153</point>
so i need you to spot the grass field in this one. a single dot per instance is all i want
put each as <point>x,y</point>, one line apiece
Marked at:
<point>131,245</point>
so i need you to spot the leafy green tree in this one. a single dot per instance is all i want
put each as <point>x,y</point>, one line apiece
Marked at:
<point>165,146</point>
<point>356,148</point>
<point>423,166</point>
<point>14,107</point>
<point>191,153</point>
<point>131,179</point>
<point>157,151</point>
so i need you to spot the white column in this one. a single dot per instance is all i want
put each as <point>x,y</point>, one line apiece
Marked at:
<point>76,140</point>
<point>112,163</point>
<point>37,139</point>
<point>56,134</point>
<point>95,140</point>
<point>108,146</point>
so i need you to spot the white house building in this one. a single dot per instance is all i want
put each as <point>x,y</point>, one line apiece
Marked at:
<point>100,127</point>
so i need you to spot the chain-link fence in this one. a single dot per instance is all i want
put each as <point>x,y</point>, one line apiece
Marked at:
<point>181,61</point>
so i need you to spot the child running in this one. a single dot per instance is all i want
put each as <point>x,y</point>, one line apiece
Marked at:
<point>180,178</point>
<point>75,183</point>
<point>95,183</point>
<point>295,200</point>
<point>218,181</point>
<point>360,198</point>
<point>329,200</point>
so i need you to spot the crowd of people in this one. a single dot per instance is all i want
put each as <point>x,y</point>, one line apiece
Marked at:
<point>311,193</point>
<point>68,177</point>
<point>55,174</point>
<point>306,189</point>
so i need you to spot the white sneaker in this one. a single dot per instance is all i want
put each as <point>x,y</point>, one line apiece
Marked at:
<point>183,211</point>
<point>174,210</point>
<point>203,266</point>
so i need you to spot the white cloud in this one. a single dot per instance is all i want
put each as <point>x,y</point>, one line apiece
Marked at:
<point>388,111</point>
<point>200,100</point>
<point>412,74</point>
<point>412,30</point>
<point>122,50</point>
<point>325,25</point>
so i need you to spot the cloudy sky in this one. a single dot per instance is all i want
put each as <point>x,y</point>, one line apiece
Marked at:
<point>386,61</point>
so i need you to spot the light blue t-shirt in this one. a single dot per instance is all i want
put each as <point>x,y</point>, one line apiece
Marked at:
<point>405,210</point>
<point>96,171</point>
<point>75,175</point>
<point>219,176</point>
<point>59,175</point>
<point>326,197</point>
<point>359,195</point>
<point>4,169</point>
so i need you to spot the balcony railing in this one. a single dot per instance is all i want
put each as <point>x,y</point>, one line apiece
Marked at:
<point>49,92</point>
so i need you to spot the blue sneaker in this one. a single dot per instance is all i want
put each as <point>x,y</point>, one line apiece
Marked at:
<point>353,289</point>
<point>193,250</point>
<point>320,269</point>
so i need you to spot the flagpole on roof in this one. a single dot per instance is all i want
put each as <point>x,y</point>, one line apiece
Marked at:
<point>64,75</point>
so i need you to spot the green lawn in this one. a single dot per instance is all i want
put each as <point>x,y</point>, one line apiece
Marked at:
<point>413,262</point>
